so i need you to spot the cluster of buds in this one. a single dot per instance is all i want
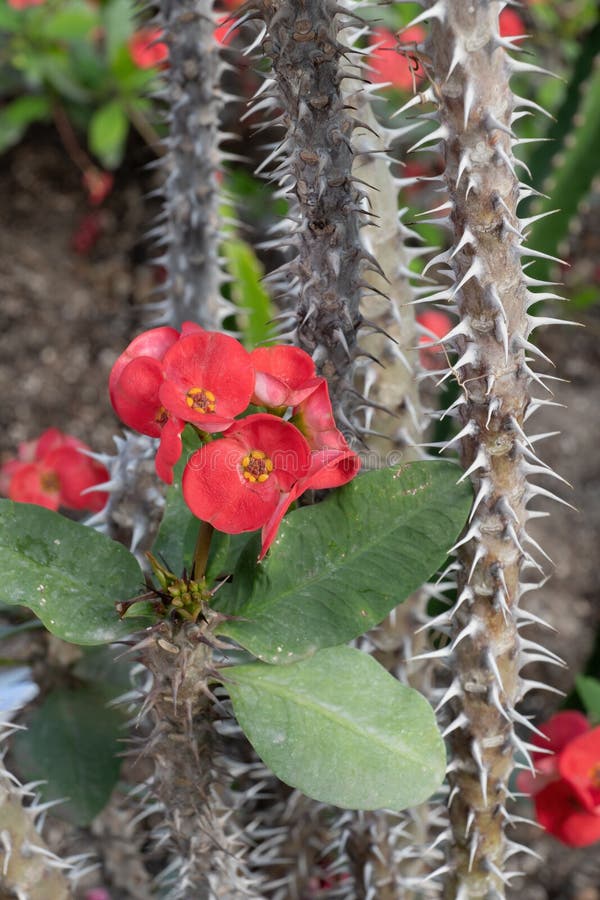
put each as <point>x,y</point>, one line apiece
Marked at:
<point>566,788</point>
<point>54,471</point>
<point>264,418</point>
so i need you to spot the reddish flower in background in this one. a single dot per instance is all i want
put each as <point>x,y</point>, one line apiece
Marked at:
<point>566,788</point>
<point>431,354</point>
<point>98,185</point>
<point>390,65</point>
<point>53,472</point>
<point>236,483</point>
<point>146,48</point>
<point>284,376</point>
<point>25,4</point>
<point>511,24</point>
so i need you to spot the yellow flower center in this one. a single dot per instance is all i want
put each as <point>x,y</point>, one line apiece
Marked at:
<point>161,416</point>
<point>49,481</point>
<point>200,400</point>
<point>256,466</point>
<point>594,775</point>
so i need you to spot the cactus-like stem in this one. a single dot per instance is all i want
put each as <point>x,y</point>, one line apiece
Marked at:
<point>29,870</point>
<point>191,782</point>
<point>191,230</point>
<point>470,72</point>
<point>303,43</point>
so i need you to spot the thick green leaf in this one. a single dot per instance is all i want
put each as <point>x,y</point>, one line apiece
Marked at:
<point>68,575</point>
<point>247,291</point>
<point>341,729</point>
<point>15,118</point>
<point>72,744</point>
<point>589,691</point>
<point>338,568</point>
<point>107,133</point>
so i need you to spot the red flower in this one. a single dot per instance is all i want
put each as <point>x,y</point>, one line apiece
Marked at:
<point>314,417</point>
<point>146,48</point>
<point>511,24</point>
<point>53,472</point>
<point>236,483</point>
<point>566,790</point>
<point>390,65</point>
<point>284,376</point>
<point>208,379</point>
<point>24,4</point>
<point>438,324</point>
<point>98,185</point>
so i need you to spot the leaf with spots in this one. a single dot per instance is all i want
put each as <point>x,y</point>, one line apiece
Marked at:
<point>341,729</point>
<point>69,575</point>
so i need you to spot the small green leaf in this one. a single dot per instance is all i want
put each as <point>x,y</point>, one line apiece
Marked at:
<point>74,21</point>
<point>119,24</point>
<point>247,291</point>
<point>72,744</point>
<point>338,568</point>
<point>341,729</point>
<point>68,575</point>
<point>107,133</point>
<point>15,118</point>
<point>589,691</point>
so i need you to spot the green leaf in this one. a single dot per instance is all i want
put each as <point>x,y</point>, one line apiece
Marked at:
<point>72,744</point>
<point>338,568</point>
<point>74,21</point>
<point>119,25</point>
<point>178,530</point>
<point>15,118</point>
<point>589,691</point>
<point>107,133</point>
<point>68,575</point>
<point>247,291</point>
<point>341,729</point>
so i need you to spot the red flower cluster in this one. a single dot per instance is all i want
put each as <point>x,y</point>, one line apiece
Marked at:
<point>52,472</point>
<point>566,788</point>
<point>248,478</point>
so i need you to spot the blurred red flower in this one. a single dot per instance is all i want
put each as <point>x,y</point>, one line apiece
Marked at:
<point>566,786</point>
<point>437,324</point>
<point>388,62</point>
<point>146,48</point>
<point>53,472</point>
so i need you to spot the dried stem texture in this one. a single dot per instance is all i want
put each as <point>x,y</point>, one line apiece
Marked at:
<point>470,81</point>
<point>191,229</point>
<point>191,781</point>
<point>28,868</point>
<point>303,43</point>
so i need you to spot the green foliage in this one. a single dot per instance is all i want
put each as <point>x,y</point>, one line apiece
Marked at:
<point>72,745</point>
<point>68,575</point>
<point>247,291</point>
<point>176,537</point>
<point>373,742</point>
<point>73,55</point>
<point>575,167</point>
<point>589,691</point>
<point>338,568</point>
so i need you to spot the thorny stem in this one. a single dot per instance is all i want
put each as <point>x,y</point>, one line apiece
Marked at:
<point>303,42</point>
<point>471,74</point>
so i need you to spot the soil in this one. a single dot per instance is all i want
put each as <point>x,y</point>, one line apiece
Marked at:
<point>67,315</point>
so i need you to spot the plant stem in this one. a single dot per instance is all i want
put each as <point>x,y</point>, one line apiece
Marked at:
<point>201,550</point>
